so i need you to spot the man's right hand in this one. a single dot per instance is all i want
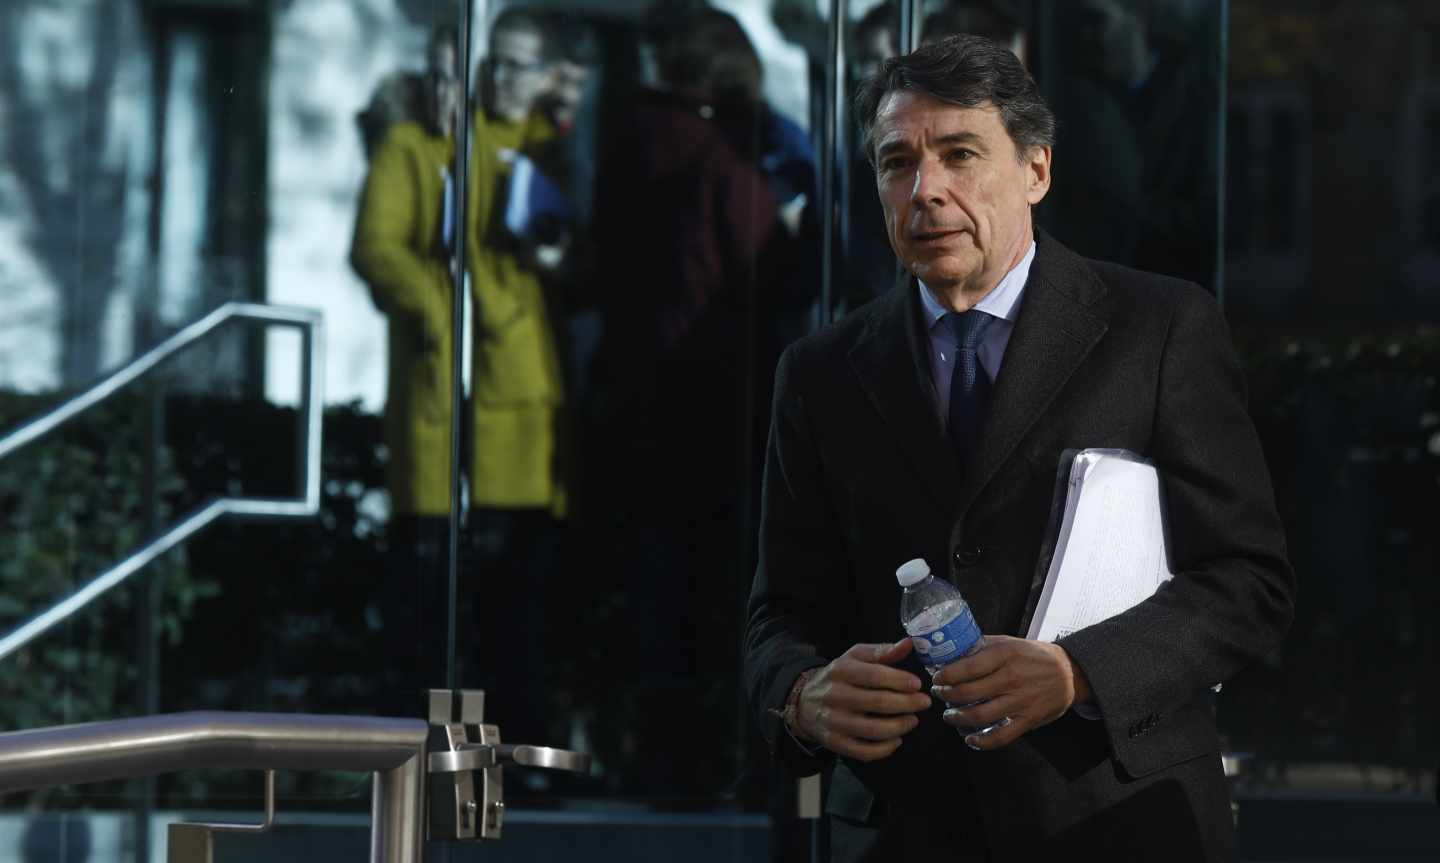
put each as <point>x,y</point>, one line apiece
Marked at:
<point>860,707</point>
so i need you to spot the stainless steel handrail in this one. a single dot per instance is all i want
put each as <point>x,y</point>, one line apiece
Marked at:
<point>393,748</point>
<point>311,326</point>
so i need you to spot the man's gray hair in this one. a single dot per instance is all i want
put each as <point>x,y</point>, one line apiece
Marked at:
<point>967,71</point>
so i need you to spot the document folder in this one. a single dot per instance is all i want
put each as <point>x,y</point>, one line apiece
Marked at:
<point>536,211</point>
<point>1106,549</point>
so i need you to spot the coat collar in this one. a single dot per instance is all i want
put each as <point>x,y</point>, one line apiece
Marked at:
<point>1060,321</point>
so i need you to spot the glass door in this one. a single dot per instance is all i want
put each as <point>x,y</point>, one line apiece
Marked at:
<point>643,240</point>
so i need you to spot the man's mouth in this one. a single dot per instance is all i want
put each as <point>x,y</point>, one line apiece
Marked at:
<point>933,236</point>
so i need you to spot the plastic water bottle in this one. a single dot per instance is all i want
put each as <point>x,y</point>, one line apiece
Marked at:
<point>936,617</point>
<point>940,625</point>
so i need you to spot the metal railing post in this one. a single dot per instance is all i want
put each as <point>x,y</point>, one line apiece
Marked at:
<point>397,813</point>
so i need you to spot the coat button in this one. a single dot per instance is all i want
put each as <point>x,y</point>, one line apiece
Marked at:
<point>969,556</point>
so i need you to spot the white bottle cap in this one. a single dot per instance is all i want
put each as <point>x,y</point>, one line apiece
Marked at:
<point>912,572</point>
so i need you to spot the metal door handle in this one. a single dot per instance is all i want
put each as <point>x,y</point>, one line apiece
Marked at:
<point>478,756</point>
<point>466,761</point>
<point>544,757</point>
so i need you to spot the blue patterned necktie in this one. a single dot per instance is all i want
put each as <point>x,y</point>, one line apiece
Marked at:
<point>969,385</point>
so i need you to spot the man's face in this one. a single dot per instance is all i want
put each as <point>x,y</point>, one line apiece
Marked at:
<point>519,72</point>
<point>1116,36</point>
<point>873,48</point>
<point>566,92</point>
<point>956,196</point>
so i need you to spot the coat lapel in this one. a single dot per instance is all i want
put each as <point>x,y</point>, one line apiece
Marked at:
<point>895,375</point>
<point>1057,327</point>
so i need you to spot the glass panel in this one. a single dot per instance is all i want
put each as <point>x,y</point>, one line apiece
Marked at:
<point>1331,291</point>
<point>644,187</point>
<point>1135,90</point>
<point>157,159</point>
<point>254,148</point>
<point>388,194</point>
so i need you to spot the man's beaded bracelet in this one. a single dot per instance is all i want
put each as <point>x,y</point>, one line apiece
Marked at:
<point>790,713</point>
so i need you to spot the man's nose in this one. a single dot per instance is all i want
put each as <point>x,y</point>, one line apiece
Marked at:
<point>928,190</point>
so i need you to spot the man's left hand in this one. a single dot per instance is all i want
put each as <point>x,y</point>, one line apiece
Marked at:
<point>1030,683</point>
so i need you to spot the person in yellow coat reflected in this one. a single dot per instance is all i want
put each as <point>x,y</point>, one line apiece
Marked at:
<point>517,395</point>
<point>399,250</point>
<point>402,248</point>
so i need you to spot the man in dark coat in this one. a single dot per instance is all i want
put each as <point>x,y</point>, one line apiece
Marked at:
<point>877,456</point>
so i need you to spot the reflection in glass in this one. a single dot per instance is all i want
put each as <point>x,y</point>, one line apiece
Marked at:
<point>519,252</point>
<point>403,231</point>
<point>993,20</point>
<point>146,174</point>
<point>697,285</point>
<point>869,265</point>
<point>75,95</point>
<point>1330,286</point>
<point>1136,159</point>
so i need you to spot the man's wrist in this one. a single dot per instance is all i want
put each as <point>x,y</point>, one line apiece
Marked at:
<point>1083,697</point>
<point>791,711</point>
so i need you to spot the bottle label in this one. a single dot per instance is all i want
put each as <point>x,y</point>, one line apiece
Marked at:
<point>952,640</point>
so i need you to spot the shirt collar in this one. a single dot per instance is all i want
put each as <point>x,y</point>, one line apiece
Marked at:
<point>1003,302</point>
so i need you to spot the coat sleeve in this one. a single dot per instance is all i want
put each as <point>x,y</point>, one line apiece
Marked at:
<point>402,282</point>
<point>801,568</point>
<point>1232,597</point>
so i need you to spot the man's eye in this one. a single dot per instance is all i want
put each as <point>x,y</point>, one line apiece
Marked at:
<point>894,163</point>
<point>960,155</point>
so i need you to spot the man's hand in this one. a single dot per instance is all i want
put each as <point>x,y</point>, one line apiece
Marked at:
<point>858,706</point>
<point>1030,683</point>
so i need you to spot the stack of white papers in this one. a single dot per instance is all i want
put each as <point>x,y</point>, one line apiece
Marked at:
<point>1110,548</point>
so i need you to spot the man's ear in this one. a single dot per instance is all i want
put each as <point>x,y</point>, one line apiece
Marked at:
<point>1037,168</point>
